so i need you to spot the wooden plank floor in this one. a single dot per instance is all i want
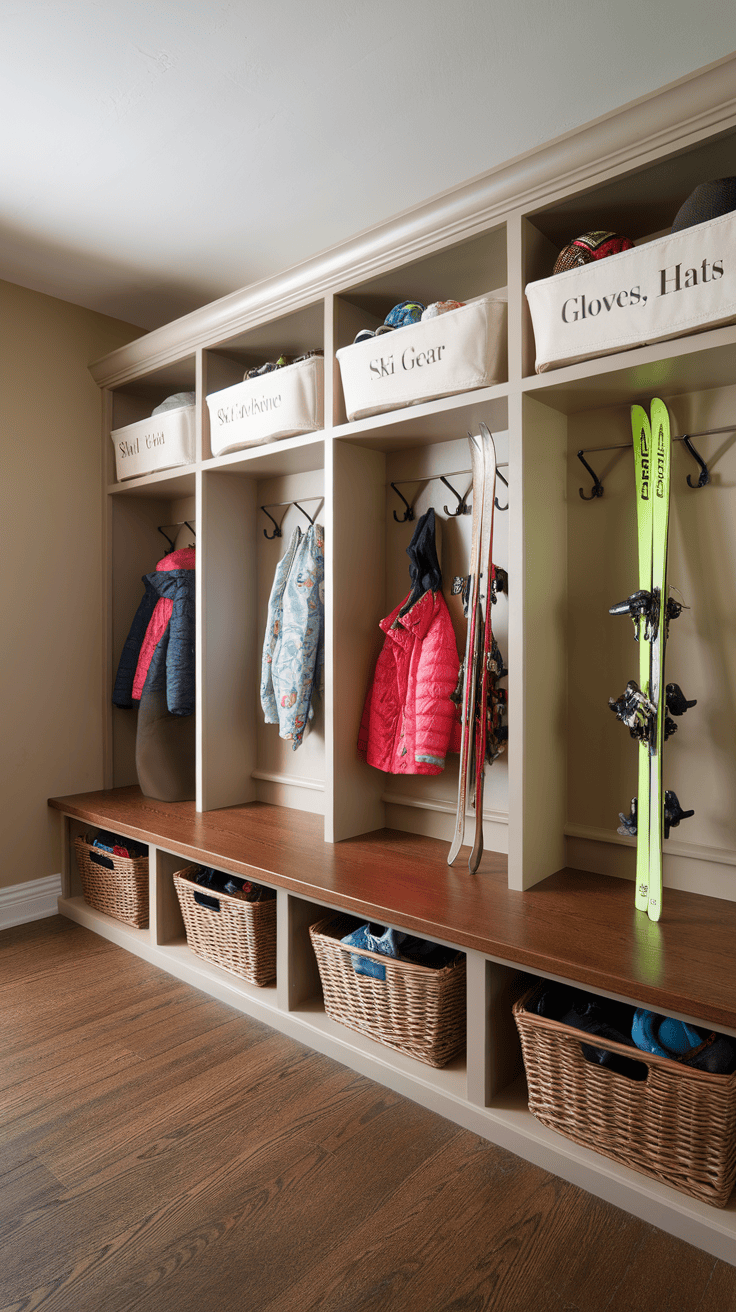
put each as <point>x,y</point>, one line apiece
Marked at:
<point>160,1151</point>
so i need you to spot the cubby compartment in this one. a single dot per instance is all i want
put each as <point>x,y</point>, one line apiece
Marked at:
<point>462,272</point>
<point>245,759</point>
<point>640,204</point>
<point>135,516</point>
<point>132,403</point>
<point>597,538</point>
<point>372,578</point>
<point>224,366</point>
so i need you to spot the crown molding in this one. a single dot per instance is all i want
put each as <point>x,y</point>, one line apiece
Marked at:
<point>663,122</point>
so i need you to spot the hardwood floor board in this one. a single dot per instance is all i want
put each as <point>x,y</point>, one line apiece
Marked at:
<point>44,998</point>
<point>272,1187</point>
<point>664,1274</point>
<point>500,1259</point>
<point>247,1233</point>
<point>181,1019</point>
<point>29,950</point>
<point>25,1186</point>
<point>146,1092</point>
<point>374,1266</point>
<point>209,1103</point>
<point>719,1294</point>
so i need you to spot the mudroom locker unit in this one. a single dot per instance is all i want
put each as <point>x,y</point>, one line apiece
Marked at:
<point>554,896</point>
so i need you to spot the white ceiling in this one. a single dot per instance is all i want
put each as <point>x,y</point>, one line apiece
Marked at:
<point>155,156</point>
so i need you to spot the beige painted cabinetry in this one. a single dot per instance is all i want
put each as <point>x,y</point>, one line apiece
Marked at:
<point>552,801</point>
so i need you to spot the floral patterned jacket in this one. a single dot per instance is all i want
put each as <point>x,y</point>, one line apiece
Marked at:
<point>292,668</point>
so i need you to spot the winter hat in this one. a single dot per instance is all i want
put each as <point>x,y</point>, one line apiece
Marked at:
<point>175,402</point>
<point>709,201</point>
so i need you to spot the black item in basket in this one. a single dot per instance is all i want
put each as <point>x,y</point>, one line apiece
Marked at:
<point>593,1015</point>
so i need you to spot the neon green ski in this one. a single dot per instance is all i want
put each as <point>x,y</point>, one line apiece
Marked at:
<point>641,432</point>
<point>660,511</point>
<point>643,706</point>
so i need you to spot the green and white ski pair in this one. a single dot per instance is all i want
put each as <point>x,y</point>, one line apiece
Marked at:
<point>643,707</point>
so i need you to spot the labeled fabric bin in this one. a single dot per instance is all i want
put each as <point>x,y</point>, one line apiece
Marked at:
<point>161,442</point>
<point>453,352</point>
<point>665,288</point>
<point>677,1125</point>
<point>116,885</point>
<point>237,936</point>
<point>415,1010</point>
<point>279,404</point>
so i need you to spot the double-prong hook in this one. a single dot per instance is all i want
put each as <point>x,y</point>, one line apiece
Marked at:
<point>704,476</point>
<point>408,513</point>
<point>462,507</point>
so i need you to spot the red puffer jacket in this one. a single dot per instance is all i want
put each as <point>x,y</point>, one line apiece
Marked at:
<point>409,722</point>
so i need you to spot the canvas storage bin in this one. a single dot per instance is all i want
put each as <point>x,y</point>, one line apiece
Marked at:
<point>237,936</point>
<point>678,284</point>
<point>454,352</point>
<point>161,442</point>
<point>678,1125</point>
<point>416,1010</point>
<point>280,404</point>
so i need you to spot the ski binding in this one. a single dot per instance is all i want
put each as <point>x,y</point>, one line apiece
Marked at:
<point>673,812</point>
<point>636,711</point>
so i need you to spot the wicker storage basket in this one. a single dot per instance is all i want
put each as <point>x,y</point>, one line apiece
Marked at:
<point>237,936</point>
<point>119,887</point>
<point>678,1125</point>
<point>416,1010</point>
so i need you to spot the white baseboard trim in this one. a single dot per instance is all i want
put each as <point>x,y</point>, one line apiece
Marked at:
<point>675,847</point>
<point>441,804</point>
<point>316,784</point>
<point>31,901</point>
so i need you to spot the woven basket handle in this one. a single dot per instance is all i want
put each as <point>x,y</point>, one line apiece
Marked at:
<point>203,900</point>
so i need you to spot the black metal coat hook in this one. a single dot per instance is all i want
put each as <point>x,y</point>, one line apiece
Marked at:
<point>276,526</point>
<point>306,516</point>
<point>462,507</point>
<point>408,513</point>
<point>597,485</point>
<point>180,523</point>
<point>704,476</point>
<point>505,483</point>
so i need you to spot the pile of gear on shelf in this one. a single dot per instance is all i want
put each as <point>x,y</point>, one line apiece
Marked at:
<point>405,313</point>
<point>259,371</point>
<point>387,942</point>
<point>216,881</point>
<point>117,845</point>
<point>634,1027</point>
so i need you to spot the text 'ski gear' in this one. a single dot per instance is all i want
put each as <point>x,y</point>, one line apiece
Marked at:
<point>409,721</point>
<point>292,667</point>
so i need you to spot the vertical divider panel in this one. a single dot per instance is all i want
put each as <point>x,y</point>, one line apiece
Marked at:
<point>167,924</point>
<point>477,1029</point>
<point>107,592</point>
<point>355,597</point>
<point>297,974</point>
<point>516,296</point>
<point>227,596</point>
<point>537,258</point>
<point>537,641</point>
<point>66,855</point>
<point>330,821</point>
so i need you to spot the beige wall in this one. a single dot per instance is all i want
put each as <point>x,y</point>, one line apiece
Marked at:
<point>51,571</point>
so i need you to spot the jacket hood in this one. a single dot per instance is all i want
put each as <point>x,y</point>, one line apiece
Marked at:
<point>424,569</point>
